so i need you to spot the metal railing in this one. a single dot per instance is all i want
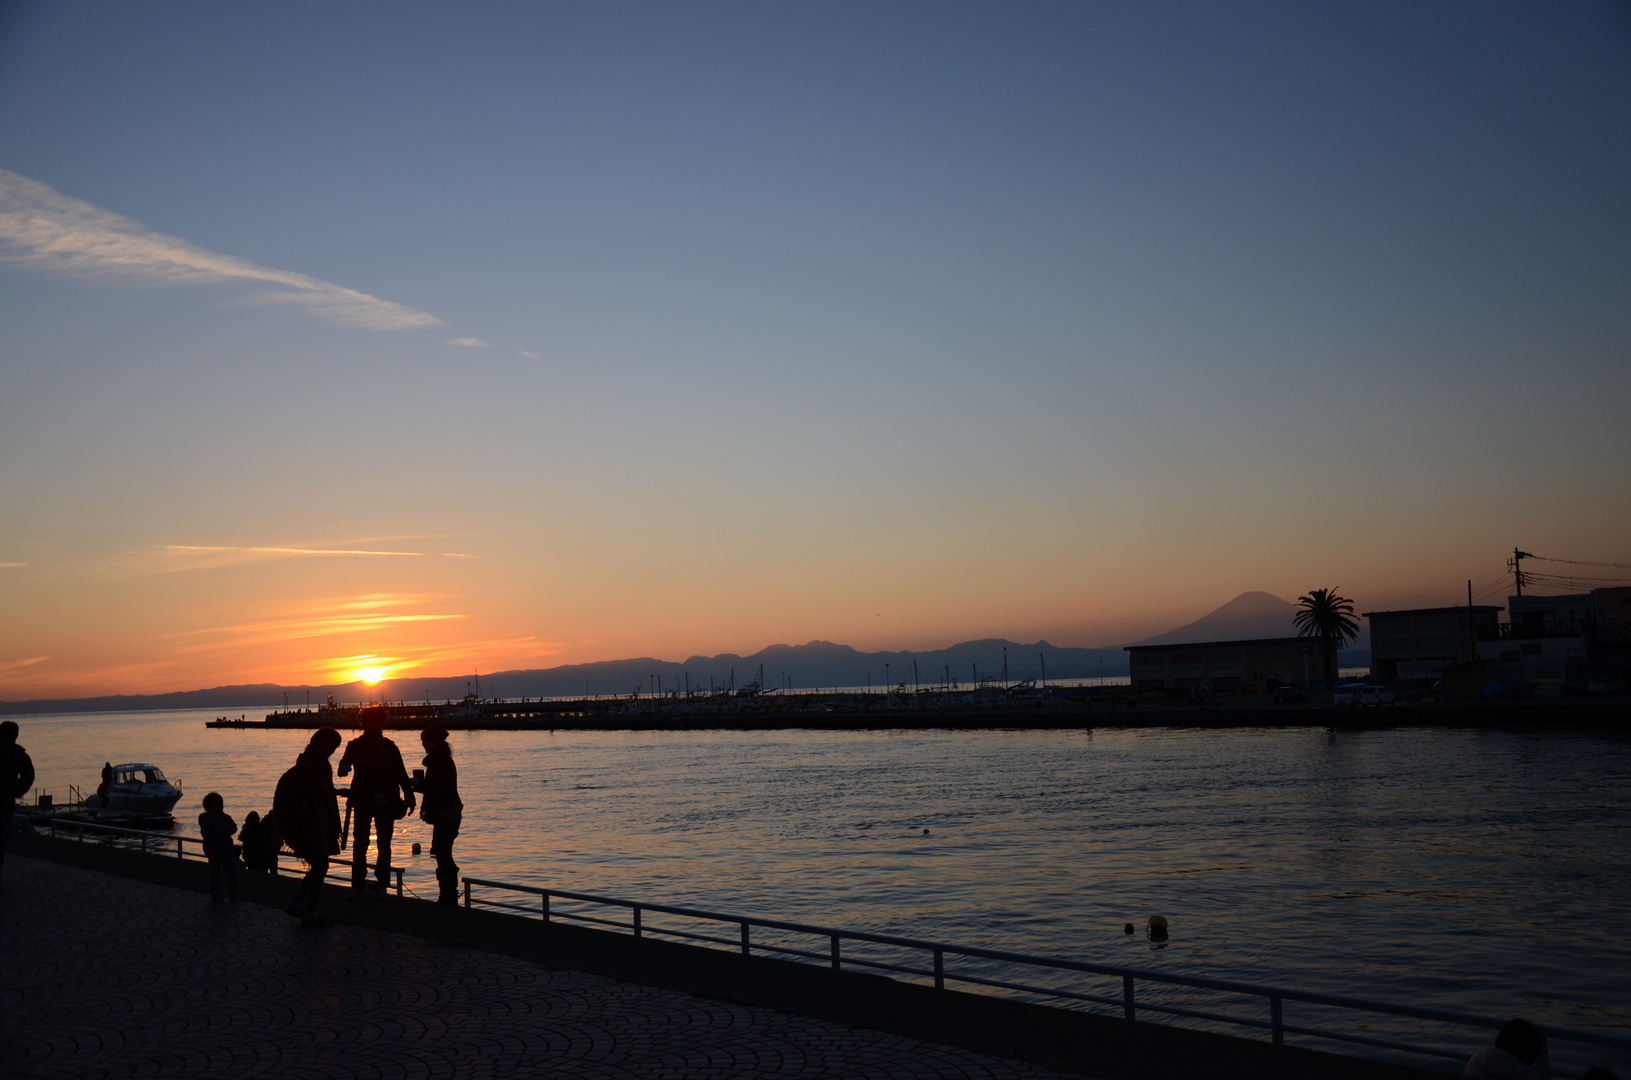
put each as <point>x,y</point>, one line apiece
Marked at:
<point>157,844</point>
<point>1127,1002</point>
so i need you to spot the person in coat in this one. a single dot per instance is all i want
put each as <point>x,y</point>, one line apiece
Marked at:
<point>16,777</point>
<point>374,798</point>
<point>442,810</point>
<point>308,816</point>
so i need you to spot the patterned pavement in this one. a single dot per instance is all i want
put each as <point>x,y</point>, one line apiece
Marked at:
<point>104,976</point>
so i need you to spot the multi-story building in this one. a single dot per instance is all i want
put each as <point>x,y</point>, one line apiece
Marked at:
<point>1547,641</point>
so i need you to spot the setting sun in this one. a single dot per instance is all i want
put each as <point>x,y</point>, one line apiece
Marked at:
<point>371,674</point>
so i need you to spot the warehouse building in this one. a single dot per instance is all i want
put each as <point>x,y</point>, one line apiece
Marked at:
<point>1417,644</point>
<point>1226,665</point>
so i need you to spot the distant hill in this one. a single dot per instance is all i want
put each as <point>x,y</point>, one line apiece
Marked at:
<point>1256,615</point>
<point>814,664</point>
<point>1249,615</point>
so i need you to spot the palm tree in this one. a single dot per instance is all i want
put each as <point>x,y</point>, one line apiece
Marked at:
<point>1329,617</point>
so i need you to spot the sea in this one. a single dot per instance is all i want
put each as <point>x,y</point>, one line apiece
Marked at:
<point>1480,870</point>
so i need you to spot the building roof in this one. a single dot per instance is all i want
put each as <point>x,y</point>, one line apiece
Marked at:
<point>1488,609</point>
<point>1221,644</point>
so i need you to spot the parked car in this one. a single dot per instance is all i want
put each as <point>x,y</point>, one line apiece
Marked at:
<point>1605,687</point>
<point>1376,696</point>
<point>1347,694</point>
<point>1286,695</point>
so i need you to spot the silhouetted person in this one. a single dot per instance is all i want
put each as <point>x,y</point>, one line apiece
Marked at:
<point>309,819</point>
<point>217,829</point>
<point>16,777</point>
<point>260,841</point>
<point>374,798</point>
<point>443,811</point>
<point>1517,1048</point>
<point>107,779</point>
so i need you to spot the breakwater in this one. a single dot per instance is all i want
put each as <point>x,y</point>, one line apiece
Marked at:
<point>865,712</point>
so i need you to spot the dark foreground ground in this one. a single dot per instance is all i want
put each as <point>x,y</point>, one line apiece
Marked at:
<point>115,964</point>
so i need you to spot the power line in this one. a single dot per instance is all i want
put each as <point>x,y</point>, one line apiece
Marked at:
<point>1577,562</point>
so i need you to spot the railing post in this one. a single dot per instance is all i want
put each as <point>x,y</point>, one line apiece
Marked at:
<point>398,871</point>
<point>467,893</point>
<point>636,908</point>
<point>178,849</point>
<point>939,969</point>
<point>835,952</point>
<point>745,946</point>
<point>545,905</point>
<point>1127,997</point>
<point>1543,1064</point>
<point>144,843</point>
<point>1277,1020</point>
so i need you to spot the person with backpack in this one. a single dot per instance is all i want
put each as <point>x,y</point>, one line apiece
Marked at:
<point>308,816</point>
<point>374,799</point>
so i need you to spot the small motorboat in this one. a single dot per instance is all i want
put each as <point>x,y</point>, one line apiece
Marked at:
<point>137,790</point>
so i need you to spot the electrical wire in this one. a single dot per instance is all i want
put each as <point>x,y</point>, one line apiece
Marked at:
<point>1577,562</point>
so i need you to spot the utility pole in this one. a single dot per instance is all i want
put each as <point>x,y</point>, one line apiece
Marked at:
<point>888,686</point>
<point>1472,625</point>
<point>1044,660</point>
<point>1517,568</point>
<point>1005,667</point>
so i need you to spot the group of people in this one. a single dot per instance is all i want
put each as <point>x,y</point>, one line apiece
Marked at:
<point>381,794</point>
<point>306,816</point>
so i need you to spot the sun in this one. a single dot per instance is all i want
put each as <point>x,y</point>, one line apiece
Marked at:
<point>370,674</point>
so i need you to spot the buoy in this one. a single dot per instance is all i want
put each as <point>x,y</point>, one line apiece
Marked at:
<point>1127,929</point>
<point>416,849</point>
<point>1158,928</point>
<point>925,832</point>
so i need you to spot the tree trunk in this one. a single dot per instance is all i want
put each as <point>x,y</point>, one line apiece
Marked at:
<point>1330,664</point>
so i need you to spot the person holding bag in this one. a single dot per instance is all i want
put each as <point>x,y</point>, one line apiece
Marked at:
<point>442,811</point>
<point>374,798</point>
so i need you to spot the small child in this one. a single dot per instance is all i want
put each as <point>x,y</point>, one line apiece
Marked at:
<point>217,829</point>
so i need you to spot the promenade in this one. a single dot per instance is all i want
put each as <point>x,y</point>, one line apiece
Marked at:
<point>116,964</point>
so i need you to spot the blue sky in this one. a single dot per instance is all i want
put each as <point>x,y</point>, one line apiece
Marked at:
<point>887,324</point>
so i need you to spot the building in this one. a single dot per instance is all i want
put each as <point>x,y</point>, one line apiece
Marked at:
<point>1546,641</point>
<point>1226,665</point>
<point>1417,644</point>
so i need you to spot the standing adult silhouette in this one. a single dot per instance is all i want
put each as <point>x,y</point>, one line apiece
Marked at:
<point>443,811</point>
<point>374,799</point>
<point>309,819</point>
<point>16,777</point>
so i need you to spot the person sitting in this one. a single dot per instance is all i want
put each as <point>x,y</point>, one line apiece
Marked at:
<point>1517,1048</point>
<point>260,842</point>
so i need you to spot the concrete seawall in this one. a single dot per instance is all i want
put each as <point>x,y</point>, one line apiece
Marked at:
<point>114,962</point>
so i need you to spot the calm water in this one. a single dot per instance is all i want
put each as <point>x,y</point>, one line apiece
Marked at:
<point>1485,871</point>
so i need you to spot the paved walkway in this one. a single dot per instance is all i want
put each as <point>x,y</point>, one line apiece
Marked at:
<point>108,976</point>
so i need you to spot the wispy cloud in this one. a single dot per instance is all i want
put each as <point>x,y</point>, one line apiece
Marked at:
<point>469,343</point>
<point>11,565</point>
<point>321,618</point>
<point>9,666</point>
<point>456,555</point>
<point>43,229</point>
<point>528,355</point>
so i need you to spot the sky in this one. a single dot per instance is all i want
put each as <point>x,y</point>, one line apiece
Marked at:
<point>423,339</point>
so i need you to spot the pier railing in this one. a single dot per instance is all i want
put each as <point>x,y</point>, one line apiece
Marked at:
<point>151,843</point>
<point>944,963</point>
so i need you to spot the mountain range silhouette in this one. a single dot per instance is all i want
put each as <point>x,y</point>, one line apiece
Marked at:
<point>813,665</point>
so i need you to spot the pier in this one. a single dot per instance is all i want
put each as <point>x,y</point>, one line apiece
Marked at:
<point>114,962</point>
<point>861,712</point>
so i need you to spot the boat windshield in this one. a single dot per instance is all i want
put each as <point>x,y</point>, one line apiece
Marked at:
<point>140,776</point>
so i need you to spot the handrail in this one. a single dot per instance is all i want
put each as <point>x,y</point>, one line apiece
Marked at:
<point>1276,996</point>
<point>337,868</point>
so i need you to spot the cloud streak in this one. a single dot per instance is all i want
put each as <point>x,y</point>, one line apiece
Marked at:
<point>43,229</point>
<point>469,343</point>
